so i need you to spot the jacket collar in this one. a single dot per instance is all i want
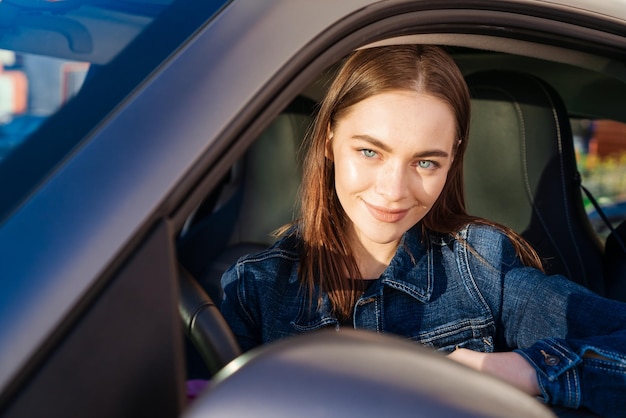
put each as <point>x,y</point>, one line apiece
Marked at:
<point>411,269</point>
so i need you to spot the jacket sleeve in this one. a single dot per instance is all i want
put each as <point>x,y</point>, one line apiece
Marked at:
<point>235,307</point>
<point>575,339</point>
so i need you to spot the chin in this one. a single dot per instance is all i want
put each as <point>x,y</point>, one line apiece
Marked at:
<point>385,238</point>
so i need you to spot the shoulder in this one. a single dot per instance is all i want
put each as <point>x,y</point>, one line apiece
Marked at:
<point>475,234</point>
<point>486,242</point>
<point>285,250</point>
<point>479,233</point>
<point>275,264</point>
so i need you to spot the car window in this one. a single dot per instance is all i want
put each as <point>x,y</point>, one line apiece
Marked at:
<point>33,87</point>
<point>46,51</point>
<point>51,51</point>
<point>601,159</point>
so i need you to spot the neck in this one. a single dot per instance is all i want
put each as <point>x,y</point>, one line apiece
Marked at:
<point>373,258</point>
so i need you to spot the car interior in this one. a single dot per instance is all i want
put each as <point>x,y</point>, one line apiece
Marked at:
<point>520,166</point>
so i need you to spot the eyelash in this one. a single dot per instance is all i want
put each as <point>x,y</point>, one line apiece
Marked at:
<point>433,164</point>
<point>364,152</point>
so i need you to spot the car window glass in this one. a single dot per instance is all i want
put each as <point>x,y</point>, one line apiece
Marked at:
<point>601,157</point>
<point>64,66</point>
<point>45,52</point>
<point>32,87</point>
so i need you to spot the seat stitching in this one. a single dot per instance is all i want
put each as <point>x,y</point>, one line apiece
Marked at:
<point>564,187</point>
<point>528,189</point>
<point>529,192</point>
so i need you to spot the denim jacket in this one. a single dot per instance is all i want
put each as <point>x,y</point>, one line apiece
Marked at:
<point>445,293</point>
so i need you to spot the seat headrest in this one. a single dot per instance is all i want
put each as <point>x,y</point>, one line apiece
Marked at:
<point>520,171</point>
<point>519,124</point>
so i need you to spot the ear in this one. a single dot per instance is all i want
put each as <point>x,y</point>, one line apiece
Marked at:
<point>328,146</point>
<point>456,148</point>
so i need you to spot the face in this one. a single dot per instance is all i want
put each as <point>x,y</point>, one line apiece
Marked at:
<point>391,153</point>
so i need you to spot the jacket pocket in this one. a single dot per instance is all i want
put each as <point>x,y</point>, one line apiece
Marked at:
<point>473,334</point>
<point>312,319</point>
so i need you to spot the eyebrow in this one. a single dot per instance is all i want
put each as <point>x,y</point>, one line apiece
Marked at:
<point>423,154</point>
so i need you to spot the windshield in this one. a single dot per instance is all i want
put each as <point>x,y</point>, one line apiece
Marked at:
<point>65,64</point>
<point>46,49</point>
<point>32,87</point>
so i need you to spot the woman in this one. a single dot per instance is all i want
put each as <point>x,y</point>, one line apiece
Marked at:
<point>384,243</point>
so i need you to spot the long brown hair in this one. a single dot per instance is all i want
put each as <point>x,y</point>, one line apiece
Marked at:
<point>327,260</point>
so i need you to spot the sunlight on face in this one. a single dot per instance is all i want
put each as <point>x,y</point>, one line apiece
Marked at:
<point>392,153</point>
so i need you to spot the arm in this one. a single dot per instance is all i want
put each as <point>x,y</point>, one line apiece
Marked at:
<point>235,311</point>
<point>574,339</point>
<point>586,370</point>
<point>510,367</point>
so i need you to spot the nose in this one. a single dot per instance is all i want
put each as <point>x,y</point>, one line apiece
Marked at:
<point>393,182</point>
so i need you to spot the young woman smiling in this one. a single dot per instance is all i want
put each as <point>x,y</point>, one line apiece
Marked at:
<point>384,243</point>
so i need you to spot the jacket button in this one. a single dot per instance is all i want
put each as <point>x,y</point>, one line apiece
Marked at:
<point>552,360</point>
<point>549,359</point>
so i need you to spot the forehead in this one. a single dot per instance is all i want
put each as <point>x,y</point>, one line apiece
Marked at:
<point>399,111</point>
<point>406,100</point>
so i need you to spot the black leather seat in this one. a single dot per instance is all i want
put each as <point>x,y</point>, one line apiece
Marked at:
<point>520,170</point>
<point>255,198</point>
<point>615,263</point>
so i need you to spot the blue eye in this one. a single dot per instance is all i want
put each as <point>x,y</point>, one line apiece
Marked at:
<point>368,153</point>
<point>425,164</point>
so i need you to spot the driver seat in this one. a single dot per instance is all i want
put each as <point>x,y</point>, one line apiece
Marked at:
<point>520,171</point>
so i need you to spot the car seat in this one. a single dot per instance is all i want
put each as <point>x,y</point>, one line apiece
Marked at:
<point>273,175</point>
<point>256,198</point>
<point>520,171</point>
<point>615,263</point>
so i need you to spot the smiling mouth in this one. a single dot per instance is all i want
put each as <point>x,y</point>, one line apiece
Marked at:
<point>386,215</point>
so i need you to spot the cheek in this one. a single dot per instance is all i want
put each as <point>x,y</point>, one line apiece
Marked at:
<point>349,177</point>
<point>432,186</point>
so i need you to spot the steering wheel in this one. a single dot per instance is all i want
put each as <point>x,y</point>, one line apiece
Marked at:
<point>204,324</point>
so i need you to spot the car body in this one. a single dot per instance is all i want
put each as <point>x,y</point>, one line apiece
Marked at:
<point>97,199</point>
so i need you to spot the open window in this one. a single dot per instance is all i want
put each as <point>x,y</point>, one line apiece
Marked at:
<point>32,88</point>
<point>601,159</point>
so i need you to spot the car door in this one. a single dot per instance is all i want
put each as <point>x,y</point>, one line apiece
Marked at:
<point>90,241</point>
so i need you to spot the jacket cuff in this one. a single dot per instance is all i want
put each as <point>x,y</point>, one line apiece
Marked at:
<point>557,374</point>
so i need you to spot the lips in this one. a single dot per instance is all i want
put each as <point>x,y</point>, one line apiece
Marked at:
<point>382,214</point>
